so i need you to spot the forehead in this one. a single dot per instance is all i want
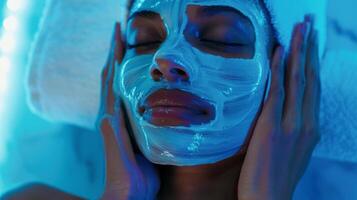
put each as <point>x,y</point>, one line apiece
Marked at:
<point>167,8</point>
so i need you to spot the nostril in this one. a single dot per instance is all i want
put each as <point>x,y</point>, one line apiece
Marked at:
<point>180,73</point>
<point>156,75</point>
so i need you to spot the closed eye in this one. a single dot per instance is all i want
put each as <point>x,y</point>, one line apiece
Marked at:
<point>220,43</point>
<point>144,44</point>
<point>221,31</point>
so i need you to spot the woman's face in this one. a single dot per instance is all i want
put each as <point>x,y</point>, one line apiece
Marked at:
<point>194,76</point>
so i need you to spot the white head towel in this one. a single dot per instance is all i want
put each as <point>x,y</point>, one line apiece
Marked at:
<point>69,53</point>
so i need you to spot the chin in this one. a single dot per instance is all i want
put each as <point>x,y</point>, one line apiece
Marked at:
<point>160,158</point>
<point>183,146</point>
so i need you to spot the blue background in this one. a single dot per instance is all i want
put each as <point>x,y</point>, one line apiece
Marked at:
<point>32,149</point>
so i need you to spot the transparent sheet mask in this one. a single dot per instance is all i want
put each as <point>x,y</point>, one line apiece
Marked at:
<point>235,87</point>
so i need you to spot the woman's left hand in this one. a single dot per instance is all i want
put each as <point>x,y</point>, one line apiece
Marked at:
<point>287,130</point>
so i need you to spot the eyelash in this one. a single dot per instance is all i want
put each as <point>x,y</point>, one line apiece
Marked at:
<point>144,44</point>
<point>220,43</point>
<point>204,40</point>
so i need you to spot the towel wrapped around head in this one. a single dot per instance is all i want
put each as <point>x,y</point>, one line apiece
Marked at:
<point>286,13</point>
<point>72,46</point>
<point>69,53</point>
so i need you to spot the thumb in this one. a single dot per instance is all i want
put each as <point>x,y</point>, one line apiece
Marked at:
<point>123,175</point>
<point>121,169</point>
<point>119,156</point>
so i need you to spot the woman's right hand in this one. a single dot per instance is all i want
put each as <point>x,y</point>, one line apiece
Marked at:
<point>128,176</point>
<point>287,130</point>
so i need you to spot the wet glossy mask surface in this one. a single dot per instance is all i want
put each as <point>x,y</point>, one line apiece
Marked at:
<point>235,87</point>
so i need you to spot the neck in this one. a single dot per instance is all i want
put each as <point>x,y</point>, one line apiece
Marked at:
<point>212,181</point>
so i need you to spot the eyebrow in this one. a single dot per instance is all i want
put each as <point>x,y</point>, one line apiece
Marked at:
<point>209,11</point>
<point>145,13</point>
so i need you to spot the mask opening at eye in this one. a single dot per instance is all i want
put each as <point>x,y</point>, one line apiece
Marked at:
<point>220,30</point>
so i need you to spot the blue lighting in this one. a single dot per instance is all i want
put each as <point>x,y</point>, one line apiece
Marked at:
<point>35,150</point>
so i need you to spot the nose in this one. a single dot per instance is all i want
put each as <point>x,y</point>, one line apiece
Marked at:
<point>168,70</point>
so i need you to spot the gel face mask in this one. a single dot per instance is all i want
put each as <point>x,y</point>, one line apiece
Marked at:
<point>232,88</point>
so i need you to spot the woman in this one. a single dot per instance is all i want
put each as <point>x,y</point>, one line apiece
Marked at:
<point>162,46</point>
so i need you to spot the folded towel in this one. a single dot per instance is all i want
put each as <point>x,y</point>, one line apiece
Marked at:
<point>338,116</point>
<point>66,61</point>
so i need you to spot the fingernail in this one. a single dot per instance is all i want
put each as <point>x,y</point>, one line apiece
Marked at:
<point>310,18</point>
<point>281,51</point>
<point>308,27</point>
<point>303,28</point>
<point>281,58</point>
<point>117,30</point>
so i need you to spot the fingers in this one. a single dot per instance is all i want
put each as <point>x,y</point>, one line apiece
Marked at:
<point>311,105</point>
<point>295,78</point>
<point>272,111</point>
<point>309,130</point>
<point>118,151</point>
<point>311,101</point>
<point>119,156</point>
<point>114,166</point>
<point>108,74</point>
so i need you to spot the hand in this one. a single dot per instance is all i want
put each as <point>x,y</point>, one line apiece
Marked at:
<point>128,176</point>
<point>38,191</point>
<point>287,130</point>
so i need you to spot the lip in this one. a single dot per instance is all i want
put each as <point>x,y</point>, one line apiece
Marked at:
<point>175,107</point>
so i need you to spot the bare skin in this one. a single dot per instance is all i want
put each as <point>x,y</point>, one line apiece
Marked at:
<point>267,168</point>
<point>37,191</point>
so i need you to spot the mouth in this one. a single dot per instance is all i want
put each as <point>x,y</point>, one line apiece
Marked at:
<point>176,108</point>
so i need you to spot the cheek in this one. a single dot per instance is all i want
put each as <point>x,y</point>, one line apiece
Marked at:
<point>135,82</point>
<point>233,78</point>
<point>134,72</point>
